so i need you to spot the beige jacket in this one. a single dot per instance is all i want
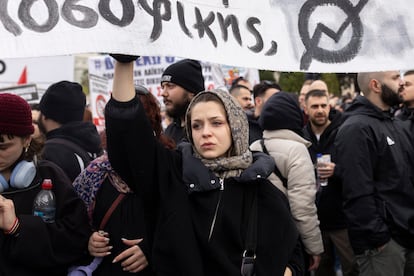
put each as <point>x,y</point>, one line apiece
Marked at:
<point>292,158</point>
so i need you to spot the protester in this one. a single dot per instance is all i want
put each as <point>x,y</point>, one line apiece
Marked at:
<point>128,236</point>
<point>243,96</point>
<point>281,121</point>
<point>261,93</point>
<point>376,171</point>
<point>70,143</point>
<point>219,176</point>
<point>180,82</point>
<point>407,96</point>
<point>321,131</point>
<point>30,246</point>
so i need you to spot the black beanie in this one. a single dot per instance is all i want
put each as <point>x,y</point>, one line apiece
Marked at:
<point>186,73</point>
<point>63,102</point>
<point>282,111</point>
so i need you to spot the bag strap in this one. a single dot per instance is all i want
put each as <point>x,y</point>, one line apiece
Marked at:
<point>249,254</point>
<point>111,209</point>
<point>276,169</point>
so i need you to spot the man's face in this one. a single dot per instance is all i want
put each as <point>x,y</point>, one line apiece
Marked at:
<point>407,94</point>
<point>244,98</point>
<point>317,108</point>
<point>391,86</point>
<point>176,99</point>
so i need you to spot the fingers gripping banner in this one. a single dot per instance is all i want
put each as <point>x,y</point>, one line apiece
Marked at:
<point>280,35</point>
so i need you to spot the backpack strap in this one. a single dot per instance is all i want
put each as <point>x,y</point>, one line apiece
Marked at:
<point>80,152</point>
<point>276,169</point>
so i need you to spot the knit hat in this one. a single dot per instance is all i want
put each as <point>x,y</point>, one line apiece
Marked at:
<point>186,73</point>
<point>63,102</point>
<point>15,115</point>
<point>282,111</point>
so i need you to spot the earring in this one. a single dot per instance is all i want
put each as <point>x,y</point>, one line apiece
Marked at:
<point>26,149</point>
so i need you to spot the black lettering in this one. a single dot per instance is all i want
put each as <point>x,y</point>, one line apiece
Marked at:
<point>259,41</point>
<point>181,19</point>
<point>2,67</point>
<point>225,23</point>
<point>90,17</point>
<point>203,26</point>
<point>273,49</point>
<point>128,12</point>
<point>313,51</point>
<point>155,12</point>
<point>30,23</point>
<point>7,21</point>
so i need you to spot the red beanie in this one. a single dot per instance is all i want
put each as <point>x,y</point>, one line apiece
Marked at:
<point>15,115</point>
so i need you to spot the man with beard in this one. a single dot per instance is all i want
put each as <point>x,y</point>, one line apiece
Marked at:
<point>180,82</point>
<point>407,96</point>
<point>374,162</point>
<point>70,142</point>
<point>321,131</point>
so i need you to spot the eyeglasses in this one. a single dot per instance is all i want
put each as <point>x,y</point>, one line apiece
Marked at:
<point>141,90</point>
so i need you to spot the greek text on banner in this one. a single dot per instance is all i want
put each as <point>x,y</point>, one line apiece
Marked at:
<point>280,35</point>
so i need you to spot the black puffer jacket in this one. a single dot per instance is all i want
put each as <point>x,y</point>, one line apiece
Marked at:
<point>376,167</point>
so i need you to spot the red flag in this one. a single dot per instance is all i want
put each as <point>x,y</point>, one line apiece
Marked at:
<point>23,77</point>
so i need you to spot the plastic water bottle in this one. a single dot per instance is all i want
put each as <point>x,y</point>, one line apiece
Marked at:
<point>44,204</point>
<point>321,160</point>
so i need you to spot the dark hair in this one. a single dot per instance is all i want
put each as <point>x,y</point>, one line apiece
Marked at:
<point>316,93</point>
<point>236,88</point>
<point>410,72</point>
<point>153,112</point>
<point>237,80</point>
<point>260,88</point>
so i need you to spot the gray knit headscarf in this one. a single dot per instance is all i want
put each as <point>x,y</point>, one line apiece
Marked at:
<point>239,157</point>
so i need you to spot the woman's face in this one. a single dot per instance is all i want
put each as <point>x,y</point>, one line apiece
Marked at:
<point>210,130</point>
<point>10,151</point>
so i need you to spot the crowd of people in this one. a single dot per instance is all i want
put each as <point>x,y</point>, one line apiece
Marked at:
<point>231,186</point>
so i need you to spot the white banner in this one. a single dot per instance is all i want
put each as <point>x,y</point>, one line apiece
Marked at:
<point>280,35</point>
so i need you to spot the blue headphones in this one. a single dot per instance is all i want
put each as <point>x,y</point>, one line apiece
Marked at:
<point>21,176</point>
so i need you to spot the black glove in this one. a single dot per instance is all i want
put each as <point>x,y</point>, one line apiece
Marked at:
<point>124,58</point>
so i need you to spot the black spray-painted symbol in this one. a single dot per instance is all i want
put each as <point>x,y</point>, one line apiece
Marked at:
<point>313,51</point>
<point>226,3</point>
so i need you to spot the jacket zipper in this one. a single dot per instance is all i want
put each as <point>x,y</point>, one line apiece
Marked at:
<point>217,207</point>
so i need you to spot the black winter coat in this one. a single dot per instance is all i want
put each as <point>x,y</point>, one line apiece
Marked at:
<point>329,198</point>
<point>40,248</point>
<point>376,169</point>
<point>188,236</point>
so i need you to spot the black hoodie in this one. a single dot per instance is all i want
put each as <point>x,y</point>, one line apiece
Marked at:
<point>84,135</point>
<point>374,155</point>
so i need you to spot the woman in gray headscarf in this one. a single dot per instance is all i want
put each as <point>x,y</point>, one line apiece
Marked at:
<point>226,208</point>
